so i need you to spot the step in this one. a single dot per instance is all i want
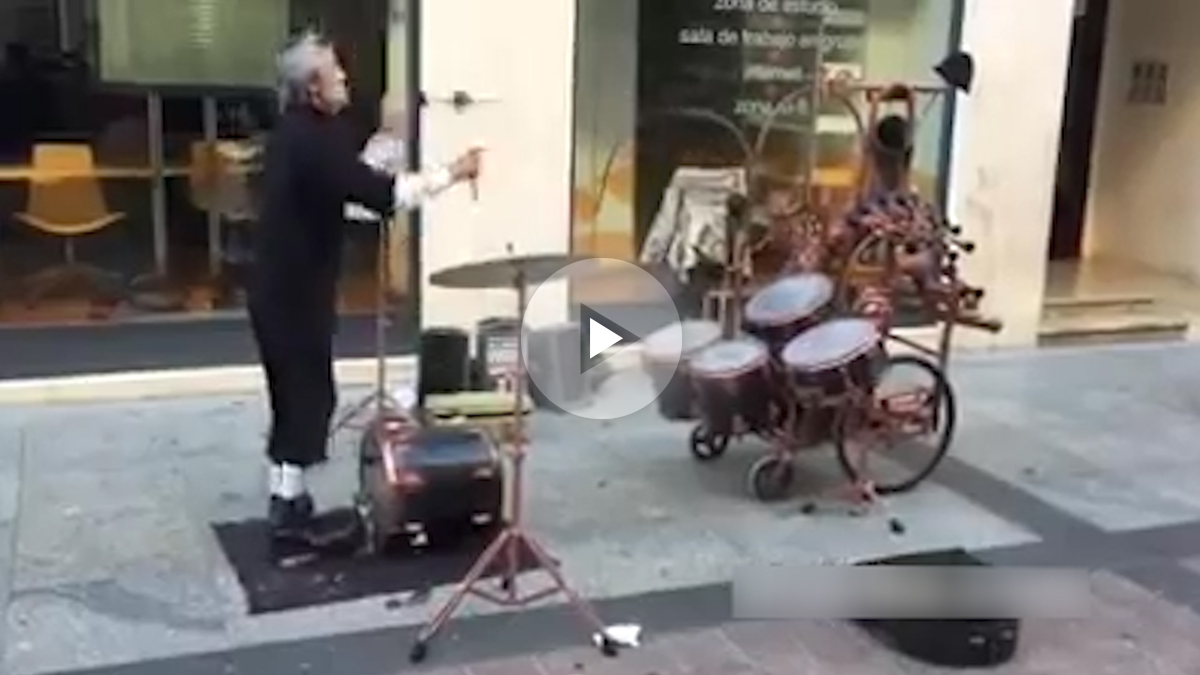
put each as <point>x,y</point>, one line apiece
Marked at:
<point>1099,327</point>
<point>1092,303</point>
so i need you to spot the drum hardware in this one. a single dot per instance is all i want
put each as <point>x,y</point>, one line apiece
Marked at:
<point>821,386</point>
<point>513,541</point>
<point>736,263</point>
<point>380,397</point>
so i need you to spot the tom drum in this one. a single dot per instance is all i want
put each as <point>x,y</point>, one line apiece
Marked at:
<point>733,382</point>
<point>787,307</point>
<point>836,356</point>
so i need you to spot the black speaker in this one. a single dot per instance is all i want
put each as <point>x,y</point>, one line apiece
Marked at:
<point>957,643</point>
<point>444,361</point>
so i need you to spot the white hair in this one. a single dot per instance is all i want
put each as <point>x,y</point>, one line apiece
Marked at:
<point>297,64</point>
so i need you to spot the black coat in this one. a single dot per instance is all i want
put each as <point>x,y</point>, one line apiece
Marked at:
<point>311,170</point>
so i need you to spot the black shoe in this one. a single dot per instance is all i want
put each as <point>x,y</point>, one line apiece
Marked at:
<point>291,518</point>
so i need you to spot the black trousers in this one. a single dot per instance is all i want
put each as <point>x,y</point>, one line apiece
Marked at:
<point>297,359</point>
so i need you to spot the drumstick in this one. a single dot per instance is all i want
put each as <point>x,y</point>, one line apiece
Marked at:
<point>476,148</point>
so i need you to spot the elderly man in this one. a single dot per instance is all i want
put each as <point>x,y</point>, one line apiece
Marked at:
<point>311,172</point>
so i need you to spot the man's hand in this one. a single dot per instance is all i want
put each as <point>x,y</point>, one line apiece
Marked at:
<point>467,166</point>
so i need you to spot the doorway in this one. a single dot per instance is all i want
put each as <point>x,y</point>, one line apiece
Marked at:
<point>1078,129</point>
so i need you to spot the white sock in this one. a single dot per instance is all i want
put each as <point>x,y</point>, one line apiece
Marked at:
<point>274,478</point>
<point>291,481</point>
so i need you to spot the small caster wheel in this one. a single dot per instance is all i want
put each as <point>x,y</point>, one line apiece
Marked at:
<point>418,652</point>
<point>770,478</point>
<point>896,526</point>
<point>707,446</point>
<point>609,647</point>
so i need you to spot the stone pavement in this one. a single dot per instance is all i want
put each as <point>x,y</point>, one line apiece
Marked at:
<point>1077,457</point>
<point>1130,633</point>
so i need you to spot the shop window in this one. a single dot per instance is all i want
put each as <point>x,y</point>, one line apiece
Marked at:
<point>128,162</point>
<point>662,84</point>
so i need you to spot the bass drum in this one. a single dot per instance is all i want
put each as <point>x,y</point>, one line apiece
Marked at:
<point>427,487</point>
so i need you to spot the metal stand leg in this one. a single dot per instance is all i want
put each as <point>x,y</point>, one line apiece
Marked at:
<point>379,398</point>
<point>507,549</point>
<point>512,544</point>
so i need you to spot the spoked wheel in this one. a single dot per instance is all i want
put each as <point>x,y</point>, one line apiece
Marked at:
<point>770,478</point>
<point>905,433</point>
<point>707,445</point>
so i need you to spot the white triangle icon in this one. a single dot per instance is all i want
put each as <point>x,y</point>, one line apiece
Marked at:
<point>600,338</point>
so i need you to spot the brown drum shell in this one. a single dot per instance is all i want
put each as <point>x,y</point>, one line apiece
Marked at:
<point>723,402</point>
<point>859,373</point>
<point>778,335</point>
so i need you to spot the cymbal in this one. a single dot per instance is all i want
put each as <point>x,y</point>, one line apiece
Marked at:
<point>505,272</point>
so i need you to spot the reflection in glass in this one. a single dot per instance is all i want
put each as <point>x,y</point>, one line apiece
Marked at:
<point>642,64</point>
<point>136,200</point>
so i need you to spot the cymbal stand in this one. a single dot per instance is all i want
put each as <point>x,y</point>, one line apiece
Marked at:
<point>379,397</point>
<point>514,542</point>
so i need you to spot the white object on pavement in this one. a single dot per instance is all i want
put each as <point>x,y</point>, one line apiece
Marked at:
<point>624,634</point>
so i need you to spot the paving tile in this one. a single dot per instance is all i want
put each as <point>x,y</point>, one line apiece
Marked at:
<point>835,646</point>
<point>705,651</point>
<point>524,665</point>
<point>1164,632</point>
<point>771,645</point>
<point>11,457</point>
<point>649,659</point>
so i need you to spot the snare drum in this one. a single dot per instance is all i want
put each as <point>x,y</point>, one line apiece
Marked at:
<point>665,355</point>
<point>835,356</point>
<point>732,380</point>
<point>788,307</point>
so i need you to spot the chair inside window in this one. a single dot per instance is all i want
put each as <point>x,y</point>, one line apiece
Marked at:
<point>66,201</point>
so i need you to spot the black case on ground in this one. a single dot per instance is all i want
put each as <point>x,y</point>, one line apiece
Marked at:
<point>958,643</point>
<point>458,491</point>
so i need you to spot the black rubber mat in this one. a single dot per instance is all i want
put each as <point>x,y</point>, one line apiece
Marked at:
<point>275,578</point>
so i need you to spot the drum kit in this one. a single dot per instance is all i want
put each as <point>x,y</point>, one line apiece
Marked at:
<point>798,375</point>
<point>789,363</point>
<point>793,364</point>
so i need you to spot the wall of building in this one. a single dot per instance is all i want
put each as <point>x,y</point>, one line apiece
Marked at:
<point>1005,150</point>
<point>521,70</point>
<point>1144,201</point>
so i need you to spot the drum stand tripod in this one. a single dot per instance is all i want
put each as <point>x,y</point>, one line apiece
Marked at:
<point>380,398</point>
<point>514,543</point>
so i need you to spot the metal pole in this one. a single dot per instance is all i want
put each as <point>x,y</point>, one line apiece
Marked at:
<point>158,195</point>
<point>212,213</point>
<point>64,26</point>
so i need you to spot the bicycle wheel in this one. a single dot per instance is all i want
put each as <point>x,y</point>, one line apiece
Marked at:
<point>908,427</point>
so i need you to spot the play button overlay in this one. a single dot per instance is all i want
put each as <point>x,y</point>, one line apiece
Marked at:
<point>600,338</point>
<point>617,351</point>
